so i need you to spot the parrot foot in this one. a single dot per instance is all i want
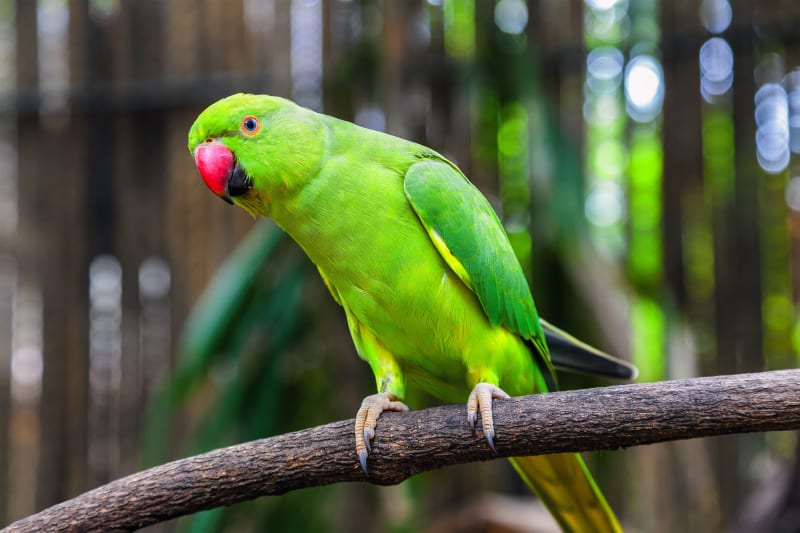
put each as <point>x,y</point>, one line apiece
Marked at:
<point>367,417</point>
<point>481,399</point>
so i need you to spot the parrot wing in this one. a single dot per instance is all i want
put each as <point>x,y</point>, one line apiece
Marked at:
<point>468,235</point>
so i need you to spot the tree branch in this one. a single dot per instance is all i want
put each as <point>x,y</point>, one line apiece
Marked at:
<point>409,443</point>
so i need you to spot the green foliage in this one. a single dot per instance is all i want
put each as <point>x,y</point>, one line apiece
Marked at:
<point>231,374</point>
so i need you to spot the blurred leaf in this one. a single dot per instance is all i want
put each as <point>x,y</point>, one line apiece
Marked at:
<point>234,376</point>
<point>218,326</point>
<point>216,313</point>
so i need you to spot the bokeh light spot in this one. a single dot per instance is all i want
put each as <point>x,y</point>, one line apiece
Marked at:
<point>511,16</point>
<point>644,88</point>
<point>716,15</point>
<point>604,204</point>
<point>610,159</point>
<point>793,194</point>
<point>772,133</point>
<point>603,5</point>
<point>716,68</point>
<point>604,69</point>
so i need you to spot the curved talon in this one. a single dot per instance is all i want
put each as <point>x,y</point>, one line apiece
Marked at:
<point>490,439</point>
<point>481,399</point>
<point>367,417</point>
<point>368,436</point>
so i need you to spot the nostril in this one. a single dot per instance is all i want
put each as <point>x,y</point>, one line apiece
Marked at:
<point>209,139</point>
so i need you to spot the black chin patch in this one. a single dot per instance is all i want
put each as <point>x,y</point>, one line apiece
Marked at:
<point>239,183</point>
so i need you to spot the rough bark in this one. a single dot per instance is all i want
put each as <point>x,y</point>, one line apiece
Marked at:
<point>409,443</point>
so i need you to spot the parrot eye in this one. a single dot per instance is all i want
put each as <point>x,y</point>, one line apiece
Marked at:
<point>250,125</point>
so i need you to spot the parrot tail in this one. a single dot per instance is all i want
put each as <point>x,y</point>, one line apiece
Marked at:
<point>563,483</point>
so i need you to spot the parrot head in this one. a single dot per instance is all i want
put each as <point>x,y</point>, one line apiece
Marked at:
<point>249,148</point>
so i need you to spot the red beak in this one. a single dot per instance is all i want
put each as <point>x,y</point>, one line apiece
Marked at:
<point>216,165</point>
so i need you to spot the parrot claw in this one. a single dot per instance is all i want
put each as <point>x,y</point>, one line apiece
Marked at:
<point>490,440</point>
<point>480,399</point>
<point>368,436</point>
<point>367,417</point>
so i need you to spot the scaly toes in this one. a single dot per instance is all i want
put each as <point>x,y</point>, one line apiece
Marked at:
<point>367,417</point>
<point>480,399</point>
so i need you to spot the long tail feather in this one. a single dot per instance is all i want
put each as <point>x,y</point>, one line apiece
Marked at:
<point>563,483</point>
<point>571,354</point>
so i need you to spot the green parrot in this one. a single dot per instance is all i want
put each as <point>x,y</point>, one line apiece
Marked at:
<point>433,294</point>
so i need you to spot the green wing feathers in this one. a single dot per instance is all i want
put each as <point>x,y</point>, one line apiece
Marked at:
<point>468,235</point>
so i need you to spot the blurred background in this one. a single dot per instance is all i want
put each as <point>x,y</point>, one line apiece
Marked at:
<point>644,156</point>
